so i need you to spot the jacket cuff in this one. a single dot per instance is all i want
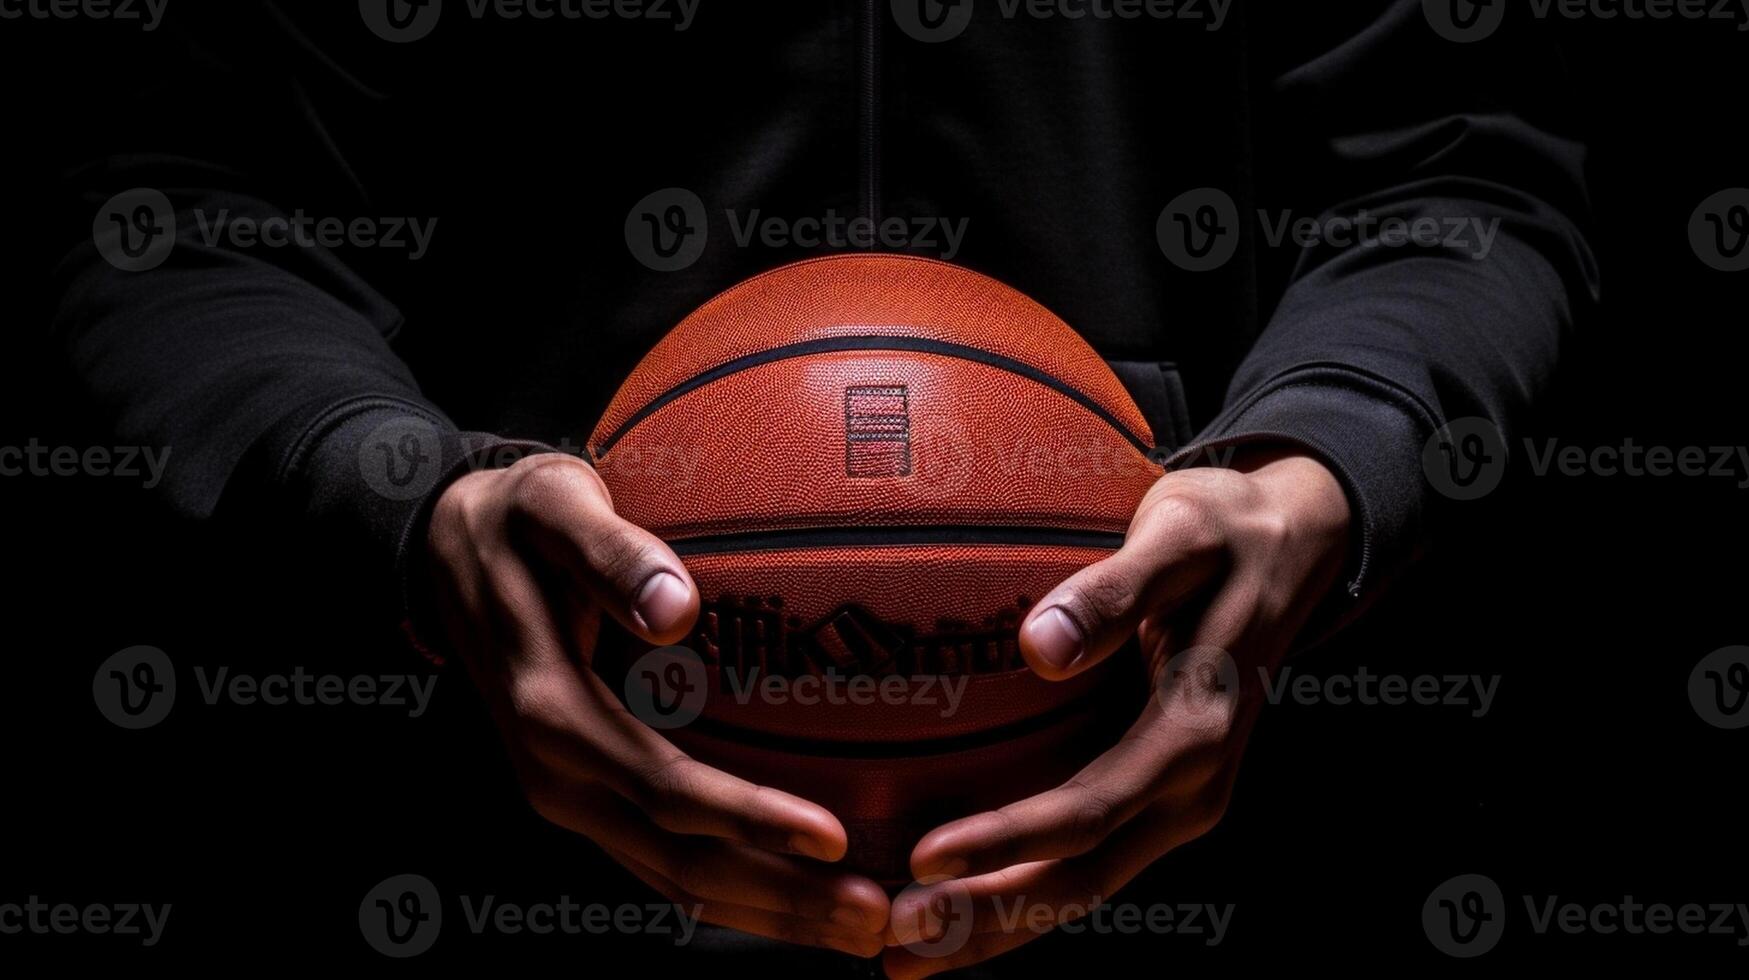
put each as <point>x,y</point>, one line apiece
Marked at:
<point>361,482</point>
<point>1369,433</point>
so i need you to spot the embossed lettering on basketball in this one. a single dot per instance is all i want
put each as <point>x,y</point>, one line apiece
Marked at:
<point>872,465</point>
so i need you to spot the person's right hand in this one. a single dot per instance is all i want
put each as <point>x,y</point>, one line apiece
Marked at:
<point>522,563</point>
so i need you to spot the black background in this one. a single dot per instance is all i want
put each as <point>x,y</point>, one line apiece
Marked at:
<point>1591,599</point>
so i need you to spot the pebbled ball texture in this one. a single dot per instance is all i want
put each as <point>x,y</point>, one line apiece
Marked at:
<point>872,466</point>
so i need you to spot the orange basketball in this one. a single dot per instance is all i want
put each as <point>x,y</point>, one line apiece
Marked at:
<point>873,465</point>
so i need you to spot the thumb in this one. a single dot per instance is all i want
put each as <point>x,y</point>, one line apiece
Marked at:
<point>626,571</point>
<point>1170,552</point>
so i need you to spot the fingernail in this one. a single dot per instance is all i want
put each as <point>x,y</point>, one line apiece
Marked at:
<point>846,915</point>
<point>807,846</point>
<point>1055,637</point>
<point>950,868</point>
<point>663,602</point>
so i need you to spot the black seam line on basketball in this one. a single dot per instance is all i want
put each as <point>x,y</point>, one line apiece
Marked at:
<point>826,345</point>
<point>805,538</point>
<point>908,749</point>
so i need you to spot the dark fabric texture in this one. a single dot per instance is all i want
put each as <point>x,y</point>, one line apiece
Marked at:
<point>1054,144</point>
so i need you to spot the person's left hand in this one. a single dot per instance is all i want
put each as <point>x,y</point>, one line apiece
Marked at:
<point>1218,563</point>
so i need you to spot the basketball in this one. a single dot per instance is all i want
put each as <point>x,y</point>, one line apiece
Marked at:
<point>872,466</point>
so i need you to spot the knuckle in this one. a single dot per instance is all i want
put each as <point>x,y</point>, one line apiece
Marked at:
<point>540,480</point>
<point>454,521</point>
<point>1189,521</point>
<point>668,791</point>
<point>535,696</point>
<point>1206,810</point>
<point>451,509</point>
<point>1090,819</point>
<point>618,553</point>
<point>1107,596</point>
<point>695,870</point>
<point>1204,756</point>
<point>1005,834</point>
<point>540,724</point>
<point>1270,528</point>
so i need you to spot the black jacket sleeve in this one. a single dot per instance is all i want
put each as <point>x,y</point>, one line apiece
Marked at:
<point>1367,114</point>
<point>266,372</point>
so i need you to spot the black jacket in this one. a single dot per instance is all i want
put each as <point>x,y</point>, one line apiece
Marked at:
<point>1055,142</point>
